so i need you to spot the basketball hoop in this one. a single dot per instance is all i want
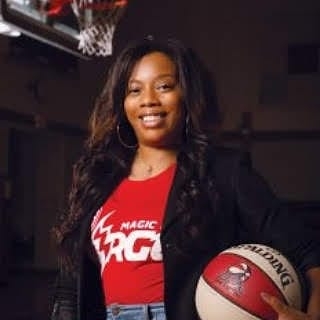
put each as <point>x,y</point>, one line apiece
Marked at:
<point>97,21</point>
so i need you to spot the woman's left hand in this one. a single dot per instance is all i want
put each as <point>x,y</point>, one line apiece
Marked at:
<point>284,311</point>
<point>313,308</point>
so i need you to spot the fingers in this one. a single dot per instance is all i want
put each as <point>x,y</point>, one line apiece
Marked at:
<point>274,302</point>
<point>284,311</point>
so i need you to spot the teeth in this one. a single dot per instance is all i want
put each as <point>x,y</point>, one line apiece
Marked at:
<point>151,118</point>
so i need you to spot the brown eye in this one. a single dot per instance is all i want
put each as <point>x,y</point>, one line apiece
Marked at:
<point>165,86</point>
<point>133,90</point>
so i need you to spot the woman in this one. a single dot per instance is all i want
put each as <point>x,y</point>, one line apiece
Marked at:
<point>153,200</point>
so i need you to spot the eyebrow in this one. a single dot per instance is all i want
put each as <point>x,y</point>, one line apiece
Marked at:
<point>165,75</point>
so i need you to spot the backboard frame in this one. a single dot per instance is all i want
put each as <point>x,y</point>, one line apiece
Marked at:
<point>35,27</point>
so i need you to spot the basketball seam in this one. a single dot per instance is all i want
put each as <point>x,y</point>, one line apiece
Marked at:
<point>236,304</point>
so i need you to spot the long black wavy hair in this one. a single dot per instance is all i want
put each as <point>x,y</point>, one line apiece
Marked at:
<point>105,159</point>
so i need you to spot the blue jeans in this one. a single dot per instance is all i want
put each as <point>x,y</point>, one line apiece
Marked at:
<point>152,311</point>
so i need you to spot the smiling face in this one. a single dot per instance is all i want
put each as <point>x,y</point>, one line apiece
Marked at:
<point>153,102</point>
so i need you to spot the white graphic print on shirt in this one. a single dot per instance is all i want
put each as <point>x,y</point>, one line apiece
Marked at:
<point>125,244</point>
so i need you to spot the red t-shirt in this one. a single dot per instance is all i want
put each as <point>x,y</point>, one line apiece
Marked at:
<point>126,235</point>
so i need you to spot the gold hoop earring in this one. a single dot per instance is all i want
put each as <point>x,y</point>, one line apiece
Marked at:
<point>187,126</point>
<point>122,141</point>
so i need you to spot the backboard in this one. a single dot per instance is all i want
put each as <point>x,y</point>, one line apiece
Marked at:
<point>60,29</point>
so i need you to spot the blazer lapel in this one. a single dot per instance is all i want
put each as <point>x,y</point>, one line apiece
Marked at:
<point>170,212</point>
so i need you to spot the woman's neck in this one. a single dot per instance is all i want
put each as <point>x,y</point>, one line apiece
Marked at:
<point>149,162</point>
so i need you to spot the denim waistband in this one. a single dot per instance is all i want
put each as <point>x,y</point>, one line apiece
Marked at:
<point>116,309</point>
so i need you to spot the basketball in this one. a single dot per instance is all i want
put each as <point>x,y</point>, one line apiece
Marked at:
<point>230,285</point>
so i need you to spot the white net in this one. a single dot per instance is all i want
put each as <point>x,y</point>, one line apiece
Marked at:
<point>97,22</point>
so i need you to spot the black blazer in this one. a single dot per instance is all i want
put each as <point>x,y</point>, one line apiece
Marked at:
<point>246,211</point>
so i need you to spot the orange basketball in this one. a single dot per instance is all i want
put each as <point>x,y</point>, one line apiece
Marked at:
<point>230,285</point>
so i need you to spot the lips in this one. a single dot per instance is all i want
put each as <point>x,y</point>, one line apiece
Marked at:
<point>153,119</point>
<point>154,114</point>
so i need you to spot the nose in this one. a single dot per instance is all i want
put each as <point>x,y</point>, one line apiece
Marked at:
<point>149,98</point>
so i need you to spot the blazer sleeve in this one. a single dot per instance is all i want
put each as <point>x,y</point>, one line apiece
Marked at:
<point>64,299</point>
<point>266,220</point>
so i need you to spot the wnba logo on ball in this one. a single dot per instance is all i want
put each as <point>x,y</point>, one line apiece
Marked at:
<point>234,277</point>
<point>230,285</point>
